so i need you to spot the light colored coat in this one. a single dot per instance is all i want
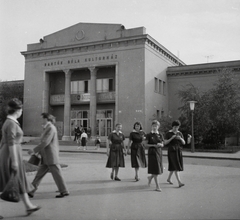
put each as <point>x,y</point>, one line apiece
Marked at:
<point>49,146</point>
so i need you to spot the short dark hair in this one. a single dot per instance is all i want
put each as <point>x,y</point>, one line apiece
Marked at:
<point>176,123</point>
<point>117,124</point>
<point>14,105</point>
<point>49,117</point>
<point>137,123</point>
<point>156,122</point>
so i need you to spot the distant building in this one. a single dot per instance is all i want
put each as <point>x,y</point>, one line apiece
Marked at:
<point>95,75</point>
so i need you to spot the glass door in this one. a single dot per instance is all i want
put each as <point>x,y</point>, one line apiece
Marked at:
<point>104,126</point>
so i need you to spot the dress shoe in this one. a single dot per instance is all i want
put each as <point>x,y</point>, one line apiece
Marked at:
<point>30,211</point>
<point>111,176</point>
<point>137,179</point>
<point>170,182</point>
<point>61,195</point>
<point>158,190</point>
<point>117,179</point>
<point>181,184</point>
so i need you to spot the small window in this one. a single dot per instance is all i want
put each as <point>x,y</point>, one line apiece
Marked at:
<point>160,86</point>
<point>164,88</point>
<point>155,84</point>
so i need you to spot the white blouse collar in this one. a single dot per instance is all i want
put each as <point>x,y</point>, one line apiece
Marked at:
<point>154,132</point>
<point>137,131</point>
<point>116,131</point>
<point>12,118</point>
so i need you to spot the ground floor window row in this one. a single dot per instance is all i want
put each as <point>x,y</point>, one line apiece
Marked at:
<point>104,124</point>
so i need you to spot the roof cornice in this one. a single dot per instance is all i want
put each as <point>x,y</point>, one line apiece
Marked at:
<point>108,44</point>
<point>207,68</point>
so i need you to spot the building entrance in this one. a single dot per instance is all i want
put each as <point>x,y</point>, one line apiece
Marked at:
<point>104,126</point>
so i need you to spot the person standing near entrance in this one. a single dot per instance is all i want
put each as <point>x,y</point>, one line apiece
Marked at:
<point>115,147</point>
<point>138,158</point>
<point>49,150</point>
<point>83,139</point>
<point>77,133</point>
<point>174,141</point>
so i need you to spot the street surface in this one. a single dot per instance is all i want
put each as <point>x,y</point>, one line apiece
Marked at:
<point>211,191</point>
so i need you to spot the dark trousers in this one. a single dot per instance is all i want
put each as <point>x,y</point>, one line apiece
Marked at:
<point>55,169</point>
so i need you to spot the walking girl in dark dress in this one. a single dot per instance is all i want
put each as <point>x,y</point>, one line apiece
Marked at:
<point>138,158</point>
<point>115,147</point>
<point>154,143</point>
<point>174,141</point>
<point>11,160</point>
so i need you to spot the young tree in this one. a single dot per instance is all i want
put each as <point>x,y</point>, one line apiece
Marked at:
<point>217,113</point>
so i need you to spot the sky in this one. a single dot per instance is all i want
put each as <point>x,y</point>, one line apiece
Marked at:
<point>197,31</point>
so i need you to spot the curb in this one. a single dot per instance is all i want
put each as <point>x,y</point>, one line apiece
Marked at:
<point>186,156</point>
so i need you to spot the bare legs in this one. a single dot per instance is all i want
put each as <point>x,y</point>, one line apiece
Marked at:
<point>155,177</point>
<point>115,169</point>
<point>136,173</point>
<point>177,177</point>
<point>30,208</point>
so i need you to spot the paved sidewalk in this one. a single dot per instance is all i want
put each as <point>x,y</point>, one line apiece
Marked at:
<point>91,149</point>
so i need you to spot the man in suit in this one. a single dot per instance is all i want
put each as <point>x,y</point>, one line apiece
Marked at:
<point>49,151</point>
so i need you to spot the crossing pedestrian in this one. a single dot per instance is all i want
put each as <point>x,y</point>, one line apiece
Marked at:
<point>154,143</point>
<point>136,148</point>
<point>49,151</point>
<point>116,151</point>
<point>174,141</point>
<point>11,160</point>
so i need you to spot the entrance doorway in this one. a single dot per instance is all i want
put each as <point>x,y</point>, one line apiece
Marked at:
<point>104,126</point>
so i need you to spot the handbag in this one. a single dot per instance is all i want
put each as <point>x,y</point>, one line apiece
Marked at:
<point>34,159</point>
<point>11,190</point>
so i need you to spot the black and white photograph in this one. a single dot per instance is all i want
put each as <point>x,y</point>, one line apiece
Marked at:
<point>119,109</point>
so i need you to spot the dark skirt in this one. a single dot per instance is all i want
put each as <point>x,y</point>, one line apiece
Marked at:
<point>84,141</point>
<point>175,159</point>
<point>138,158</point>
<point>155,165</point>
<point>116,157</point>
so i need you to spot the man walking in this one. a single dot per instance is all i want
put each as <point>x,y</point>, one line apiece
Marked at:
<point>49,151</point>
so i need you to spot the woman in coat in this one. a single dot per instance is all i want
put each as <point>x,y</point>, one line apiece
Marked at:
<point>174,141</point>
<point>11,160</point>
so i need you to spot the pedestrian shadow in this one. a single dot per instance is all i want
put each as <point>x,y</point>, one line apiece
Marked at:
<point>90,182</point>
<point>96,191</point>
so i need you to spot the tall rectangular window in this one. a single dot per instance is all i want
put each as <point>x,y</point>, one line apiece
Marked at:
<point>155,84</point>
<point>111,86</point>
<point>160,86</point>
<point>86,87</point>
<point>164,88</point>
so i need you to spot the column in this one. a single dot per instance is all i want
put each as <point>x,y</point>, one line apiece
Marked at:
<point>67,107</point>
<point>93,100</point>
<point>45,95</point>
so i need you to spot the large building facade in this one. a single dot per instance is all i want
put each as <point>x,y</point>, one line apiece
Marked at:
<point>95,75</point>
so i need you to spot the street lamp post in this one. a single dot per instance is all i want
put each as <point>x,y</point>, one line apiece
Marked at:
<point>192,106</point>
